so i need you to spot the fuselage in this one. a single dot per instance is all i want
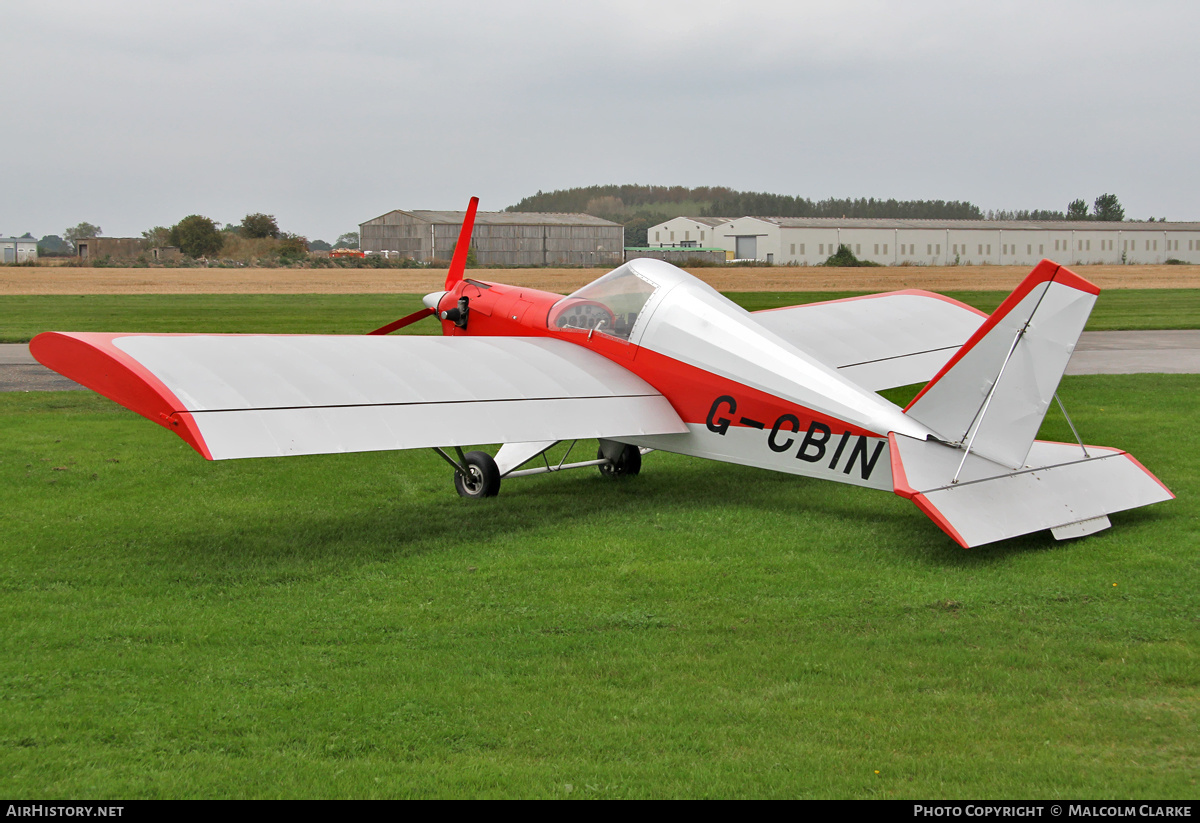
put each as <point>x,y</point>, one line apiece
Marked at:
<point>747,395</point>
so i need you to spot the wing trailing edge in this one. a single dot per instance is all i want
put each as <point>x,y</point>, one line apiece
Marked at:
<point>232,396</point>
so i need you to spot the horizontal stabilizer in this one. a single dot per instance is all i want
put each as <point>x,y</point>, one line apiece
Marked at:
<point>994,392</point>
<point>1059,488</point>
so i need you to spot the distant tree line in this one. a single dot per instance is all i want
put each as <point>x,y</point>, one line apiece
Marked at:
<point>639,207</point>
<point>782,205</point>
<point>198,236</point>
<point>613,199</point>
<point>721,201</point>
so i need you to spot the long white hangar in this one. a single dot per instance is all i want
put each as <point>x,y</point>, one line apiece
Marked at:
<point>809,241</point>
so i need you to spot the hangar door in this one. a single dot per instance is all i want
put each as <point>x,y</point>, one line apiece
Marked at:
<point>746,247</point>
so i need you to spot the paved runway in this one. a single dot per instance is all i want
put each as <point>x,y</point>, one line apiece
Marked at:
<point>1137,352</point>
<point>1099,352</point>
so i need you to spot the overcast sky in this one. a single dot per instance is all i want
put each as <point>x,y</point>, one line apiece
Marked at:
<point>134,114</point>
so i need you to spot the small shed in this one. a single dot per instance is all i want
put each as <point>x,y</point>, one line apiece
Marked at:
<point>17,249</point>
<point>116,248</point>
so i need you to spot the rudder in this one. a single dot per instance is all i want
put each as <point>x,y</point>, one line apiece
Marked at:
<point>992,396</point>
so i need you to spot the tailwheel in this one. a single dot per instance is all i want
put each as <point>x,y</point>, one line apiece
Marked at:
<point>623,460</point>
<point>483,477</point>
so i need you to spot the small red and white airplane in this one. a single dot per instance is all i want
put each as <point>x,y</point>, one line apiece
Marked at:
<point>648,357</point>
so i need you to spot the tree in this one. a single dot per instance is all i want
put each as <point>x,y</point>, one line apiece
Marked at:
<point>52,245</point>
<point>197,236</point>
<point>349,240</point>
<point>259,225</point>
<point>292,247</point>
<point>319,245</point>
<point>1077,210</point>
<point>76,233</point>
<point>157,237</point>
<point>1108,207</point>
<point>637,228</point>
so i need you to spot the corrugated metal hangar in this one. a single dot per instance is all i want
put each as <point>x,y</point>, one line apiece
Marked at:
<point>810,241</point>
<point>499,239</point>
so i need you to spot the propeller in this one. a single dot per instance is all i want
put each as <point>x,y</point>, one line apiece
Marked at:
<point>407,320</point>
<point>458,265</point>
<point>459,262</point>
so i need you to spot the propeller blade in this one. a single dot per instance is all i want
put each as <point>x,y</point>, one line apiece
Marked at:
<point>407,320</point>
<point>459,264</point>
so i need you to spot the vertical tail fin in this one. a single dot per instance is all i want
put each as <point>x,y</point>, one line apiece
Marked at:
<point>459,263</point>
<point>993,394</point>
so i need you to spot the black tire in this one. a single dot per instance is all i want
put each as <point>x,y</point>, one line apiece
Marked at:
<point>627,463</point>
<point>485,477</point>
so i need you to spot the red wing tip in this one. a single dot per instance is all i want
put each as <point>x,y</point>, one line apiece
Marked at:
<point>184,425</point>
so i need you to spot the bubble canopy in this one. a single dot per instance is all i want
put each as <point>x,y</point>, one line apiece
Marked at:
<point>610,305</point>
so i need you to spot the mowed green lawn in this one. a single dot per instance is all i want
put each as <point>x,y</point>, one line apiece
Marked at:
<point>346,626</point>
<point>23,316</point>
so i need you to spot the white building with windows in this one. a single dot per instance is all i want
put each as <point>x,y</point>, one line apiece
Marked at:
<point>810,241</point>
<point>17,249</point>
<point>687,233</point>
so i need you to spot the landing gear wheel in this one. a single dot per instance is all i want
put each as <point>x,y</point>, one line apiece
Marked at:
<point>485,476</point>
<point>626,463</point>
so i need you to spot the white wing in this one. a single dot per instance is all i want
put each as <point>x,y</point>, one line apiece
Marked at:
<point>881,340</point>
<point>270,395</point>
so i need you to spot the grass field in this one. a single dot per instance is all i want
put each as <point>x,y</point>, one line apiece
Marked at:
<point>345,626</point>
<point>22,316</point>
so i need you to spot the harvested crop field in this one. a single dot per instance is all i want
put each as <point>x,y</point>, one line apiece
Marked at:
<point>70,280</point>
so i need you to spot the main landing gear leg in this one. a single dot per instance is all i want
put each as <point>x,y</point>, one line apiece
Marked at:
<point>475,473</point>
<point>623,460</point>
